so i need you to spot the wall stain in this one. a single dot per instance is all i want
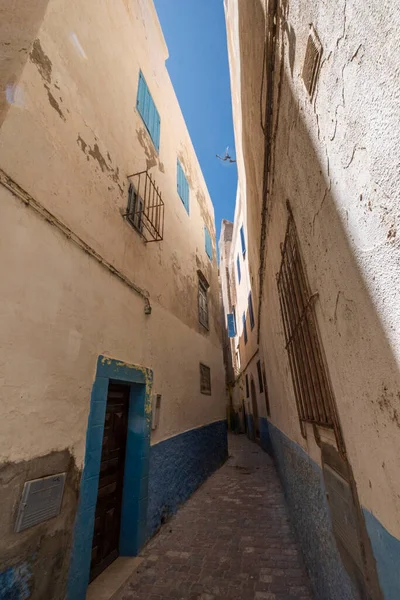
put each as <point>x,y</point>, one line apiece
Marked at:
<point>387,402</point>
<point>41,60</point>
<point>96,155</point>
<point>53,103</point>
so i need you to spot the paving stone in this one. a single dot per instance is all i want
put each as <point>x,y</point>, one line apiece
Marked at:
<point>232,540</point>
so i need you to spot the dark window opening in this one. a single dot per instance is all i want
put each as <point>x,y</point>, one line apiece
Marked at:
<point>203,300</point>
<point>247,386</point>
<point>205,379</point>
<point>145,210</point>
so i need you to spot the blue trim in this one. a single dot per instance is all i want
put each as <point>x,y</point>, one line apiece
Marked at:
<point>148,111</point>
<point>134,502</point>
<point>238,268</point>
<point>386,549</point>
<point>208,243</point>
<point>182,186</point>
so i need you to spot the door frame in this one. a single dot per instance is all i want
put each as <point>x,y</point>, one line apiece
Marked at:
<point>135,493</point>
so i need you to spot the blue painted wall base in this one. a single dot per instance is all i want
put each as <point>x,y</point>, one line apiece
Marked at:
<point>304,487</point>
<point>265,438</point>
<point>179,465</point>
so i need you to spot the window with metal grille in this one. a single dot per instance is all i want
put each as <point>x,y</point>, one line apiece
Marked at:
<point>311,62</point>
<point>260,381</point>
<point>145,210</point>
<point>182,186</point>
<point>310,380</point>
<point>148,111</point>
<point>251,311</point>
<point>203,300</point>
<point>205,379</point>
<point>244,328</point>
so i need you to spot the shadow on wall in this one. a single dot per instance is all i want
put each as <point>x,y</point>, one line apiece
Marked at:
<point>357,347</point>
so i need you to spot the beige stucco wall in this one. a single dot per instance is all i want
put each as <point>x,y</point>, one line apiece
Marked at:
<point>71,145</point>
<point>336,159</point>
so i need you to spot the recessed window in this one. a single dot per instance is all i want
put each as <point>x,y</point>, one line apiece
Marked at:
<point>311,62</point>
<point>203,299</point>
<point>238,268</point>
<point>205,379</point>
<point>244,328</point>
<point>247,386</point>
<point>182,186</point>
<point>135,208</point>
<point>242,241</point>
<point>148,111</point>
<point>231,325</point>
<point>208,243</point>
<point>251,312</point>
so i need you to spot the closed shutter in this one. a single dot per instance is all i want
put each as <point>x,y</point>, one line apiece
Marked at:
<point>238,268</point>
<point>251,313</point>
<point>231,325</point>
<point>242,240</point>
<point>182,186</point>
<point>208,243</point>
<point>148,111</point>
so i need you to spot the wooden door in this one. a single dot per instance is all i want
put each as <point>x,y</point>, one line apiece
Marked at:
<point>109,499</point>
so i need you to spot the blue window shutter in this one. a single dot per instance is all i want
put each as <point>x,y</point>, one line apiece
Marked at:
<point>251,313</point>
<point>231,326</point>
<point>242,240</point>
<point>244,328</point>
<point>148,111</point>
<point>182,186</point>
<point>238,268</point>
<point>208,243</point>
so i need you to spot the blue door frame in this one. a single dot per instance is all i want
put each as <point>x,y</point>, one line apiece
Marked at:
<point>134,501</point>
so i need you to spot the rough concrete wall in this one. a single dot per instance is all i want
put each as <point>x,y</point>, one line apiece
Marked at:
<point>334,159</point>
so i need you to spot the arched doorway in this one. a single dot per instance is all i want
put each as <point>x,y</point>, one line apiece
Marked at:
<point>255,409</point>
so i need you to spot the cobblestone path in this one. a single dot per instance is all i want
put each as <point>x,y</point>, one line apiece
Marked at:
<point>231,540</point>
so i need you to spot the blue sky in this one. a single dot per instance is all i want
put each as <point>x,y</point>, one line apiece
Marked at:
<point>198,67</point>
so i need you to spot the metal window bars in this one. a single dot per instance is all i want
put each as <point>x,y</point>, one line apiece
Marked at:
<point>314,398</point>
<point>145,207</point>
<point>203,304</point>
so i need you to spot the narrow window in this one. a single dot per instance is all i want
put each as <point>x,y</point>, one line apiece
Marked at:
<point>208,243</point>
<point>182,186</point>
<point>148,111</point>
<point>234,317</point>
<point>205,380</point>
<point>244,328</point>
<point>203,300</point>
<point>251,313</point>
<point>260,381</point>
<point>242,241</point>
<point>231,325</point>
<point>247,386</point>
<point>238,268</point>
<point>238,363</point>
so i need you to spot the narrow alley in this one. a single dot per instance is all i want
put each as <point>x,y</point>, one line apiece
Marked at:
<point>232,540</point>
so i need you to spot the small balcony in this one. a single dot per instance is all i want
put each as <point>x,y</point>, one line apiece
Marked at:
<point>145,210</point>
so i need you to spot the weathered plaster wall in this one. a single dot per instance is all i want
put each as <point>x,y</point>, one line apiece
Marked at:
<point>79,136</point>
<point>335,159</point>
<point>69,140</point>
